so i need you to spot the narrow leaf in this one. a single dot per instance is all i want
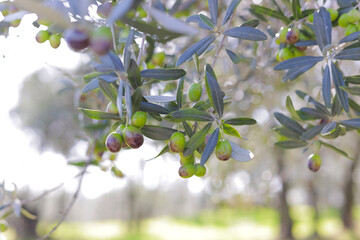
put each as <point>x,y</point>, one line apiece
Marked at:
<point>350,38</point>
<point>306,43</point>
<point>171,23</point>
<point>191,50</point>
<point>206,20</point>
<point>128,101</point>
<point>240,121</point>
<point>322,27</point>
<point>191,114</point>
<point>153,108</point>
<point>136,99</point>
<point>315,113</point>
<point>251,23</point>
<point>293,73</point>
<point>163,73</point>
<point>330,127</point>
<point>240,154</point>
<point>233,56</point>
<point>312,132</point>
<point>354,123</point>
<point>289,123</point>
<point>109,90</point>
<point>160,99</point>
<point>210,146</point>
<point>291,109</point>
<point>119,100</point>
<point>213,91</point>
<point>326,87</point>
<point>353,79</point>
<point>230,10</point>
<point>269,12</point>
<point>349,54</point>
<point>337,150</point>
<point>352,90</point>
<point>295,7</point>
<point>287,133</point>
<point>96,114</point>
<point>120,9</point>
<point>339,82</point>
<point>298,62</point>
<point>247,33</point>
<point>213,9</point>
<point>180,93</point>
<point>164,150</point>
<point>229,130</point>
<point>157,132</point>
<point>127,49</point>
<point>289,144</point>
<point>354,106</point>
<point>188,129</point>
<point>134,74</point>
<point>196,140</point>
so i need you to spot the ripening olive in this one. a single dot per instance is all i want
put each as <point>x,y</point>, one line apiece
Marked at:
<point>343,20</point>
<point>353,16</point>
<point>350,28</point>
<point>55,40</point>
<point>223,150</point>
<point>138,119</point>
<point>42,36</point>
<point>314,162</point>
<point>187,170</point>
<point>177,142</point>
<point>113,142</point>
<point>195,92</point>
<point>333,13</point>
<point>186,159</point>
<point>101,40</point>
<point>133,137</point>
<point>76,38</point>
<point>200,170</point>
<point>282,34</point>
<point>292,36</point>
<point>285,54</point>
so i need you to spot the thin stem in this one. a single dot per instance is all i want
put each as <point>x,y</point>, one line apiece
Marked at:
<point>142,46</point>
<point>75,196</point>
<point>222,41</point>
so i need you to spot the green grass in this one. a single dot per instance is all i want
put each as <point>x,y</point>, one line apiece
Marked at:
<point>234,223</point>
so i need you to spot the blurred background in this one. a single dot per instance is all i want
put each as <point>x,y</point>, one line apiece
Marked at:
<point>274,196</point>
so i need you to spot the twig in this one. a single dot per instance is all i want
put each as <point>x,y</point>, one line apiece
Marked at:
<point>75,196</point>
<point>222,41</point>
<point>144,36</point>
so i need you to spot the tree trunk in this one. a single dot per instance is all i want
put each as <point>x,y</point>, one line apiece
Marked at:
<point>346,213</point>
<point>313,202</point>
<point>286,221</point>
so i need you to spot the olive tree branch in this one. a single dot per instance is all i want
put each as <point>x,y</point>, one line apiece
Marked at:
<point>75,196</point>
<point>222,40</point>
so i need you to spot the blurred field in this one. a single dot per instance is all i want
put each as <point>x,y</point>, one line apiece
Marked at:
<point>222,224</point>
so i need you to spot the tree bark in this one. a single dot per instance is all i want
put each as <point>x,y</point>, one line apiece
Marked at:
<point>286,221</point>
<point>346,213</point>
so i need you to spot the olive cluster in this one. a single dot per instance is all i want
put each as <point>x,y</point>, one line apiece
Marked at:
<point>79,38</point>
<point>189,167</point>
<point>11,9</point>
<point>126,136</point>
<point>350,21</point>
<point>44,35</point>
<point>286,38</point>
